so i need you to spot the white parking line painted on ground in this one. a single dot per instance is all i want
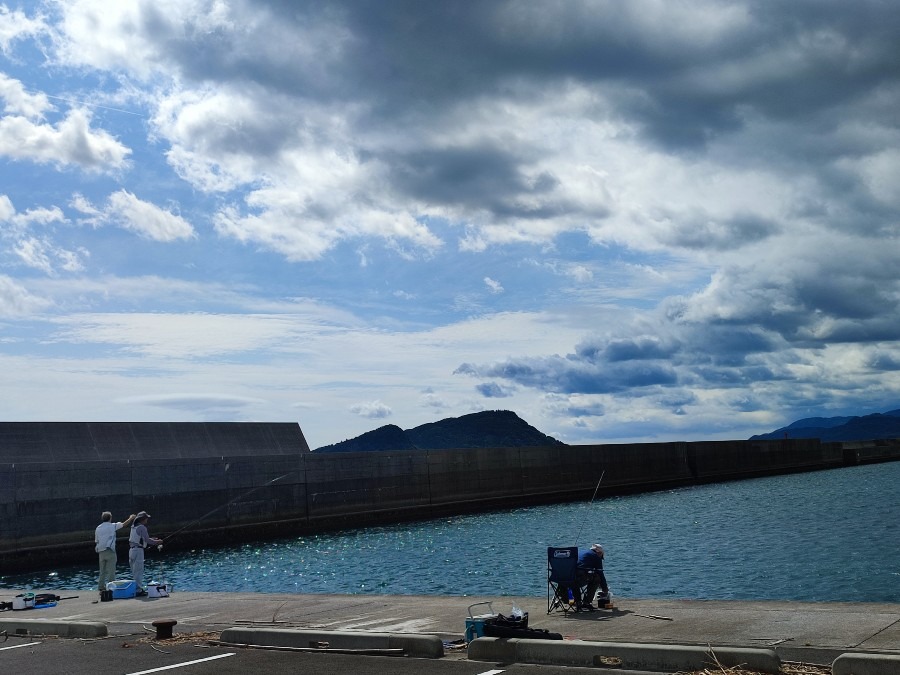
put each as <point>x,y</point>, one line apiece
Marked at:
<point>491,672</point>
<point>24,644</point>
<point>182,665</point>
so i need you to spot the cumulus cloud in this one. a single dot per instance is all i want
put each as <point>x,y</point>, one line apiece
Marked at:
<point>125,210</point>
<point>359,126</point>
<point>36,249</point>
<point>485,149</point>
<point>16,25</point>
<point>374,410</point>
<point>25,135</point>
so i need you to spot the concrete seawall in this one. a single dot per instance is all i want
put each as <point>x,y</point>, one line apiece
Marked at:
<point>268,484</point>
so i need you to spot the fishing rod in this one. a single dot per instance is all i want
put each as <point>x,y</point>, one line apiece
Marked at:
<point>225,505</point>
<point>589,505</point>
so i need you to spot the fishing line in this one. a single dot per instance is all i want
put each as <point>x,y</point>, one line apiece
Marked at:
<point>229,503</point>
<point>589,506</point>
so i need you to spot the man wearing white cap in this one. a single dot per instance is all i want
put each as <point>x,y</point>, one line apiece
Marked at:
<point>138,540</point>
<point>590,571</point>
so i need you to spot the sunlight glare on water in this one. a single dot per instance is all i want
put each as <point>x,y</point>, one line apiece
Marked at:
<point>826,536</point>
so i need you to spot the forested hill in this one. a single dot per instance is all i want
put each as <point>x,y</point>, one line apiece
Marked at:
<point>861,428</point>
<point>487,429</point>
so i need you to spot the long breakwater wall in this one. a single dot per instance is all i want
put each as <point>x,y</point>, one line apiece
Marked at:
<point>268,484</point>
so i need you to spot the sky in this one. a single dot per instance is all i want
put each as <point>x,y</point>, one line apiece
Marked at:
<point>641,221</point>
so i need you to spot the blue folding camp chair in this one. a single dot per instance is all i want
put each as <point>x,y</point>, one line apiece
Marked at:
<point>562,571</point>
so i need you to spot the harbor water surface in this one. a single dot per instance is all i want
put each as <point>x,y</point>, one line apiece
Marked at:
<point>822,536</point>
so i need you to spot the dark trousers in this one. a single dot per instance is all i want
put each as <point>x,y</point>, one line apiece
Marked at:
<point>594,579</point>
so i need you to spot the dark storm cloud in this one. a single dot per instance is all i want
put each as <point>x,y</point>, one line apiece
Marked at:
<point>677,75</point>
<point>881,329</point>
<point>575,374</point>
<point>701,355</point>
<point>728,344</point>
<point>848,295</point>
<point>696,231</point>
<point>628,349</point>
<point>482,176</point>
<point>301,54</point>
<point>735,376</point>
<point>493,390</point>
<point>677,400</point>
<point>883,361</point>
<point>684,86</point>
<point>682,83</point>
<point>595,410</point>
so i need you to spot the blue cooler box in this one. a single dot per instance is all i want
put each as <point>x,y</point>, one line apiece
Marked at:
<point>475,623</point>
<point>124,588</point>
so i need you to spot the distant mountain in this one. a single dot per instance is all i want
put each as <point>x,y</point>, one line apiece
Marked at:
<point>861,428</point>
<point>389,437</point>
<point>487,429</point>
<point>819,422</point>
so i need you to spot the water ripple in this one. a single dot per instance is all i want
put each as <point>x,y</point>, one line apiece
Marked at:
<point>821,536</point>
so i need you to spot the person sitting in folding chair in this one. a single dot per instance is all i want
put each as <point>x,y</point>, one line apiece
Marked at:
<point>590,573</point>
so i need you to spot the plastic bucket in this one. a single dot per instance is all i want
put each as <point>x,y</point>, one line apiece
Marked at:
<point>155,590</point>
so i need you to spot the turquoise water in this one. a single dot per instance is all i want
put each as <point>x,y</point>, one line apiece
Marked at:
<point>821,536</point>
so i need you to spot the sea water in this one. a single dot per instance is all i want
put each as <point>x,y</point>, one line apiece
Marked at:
<point>821,536</point>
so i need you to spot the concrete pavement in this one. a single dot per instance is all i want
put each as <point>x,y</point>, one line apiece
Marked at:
<point>795,631</point>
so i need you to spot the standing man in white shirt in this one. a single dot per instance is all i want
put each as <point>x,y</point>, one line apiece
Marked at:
<point>105,545</point>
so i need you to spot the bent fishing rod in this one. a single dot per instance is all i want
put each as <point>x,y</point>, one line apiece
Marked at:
<point>589,505</point>
<point>227,504</point>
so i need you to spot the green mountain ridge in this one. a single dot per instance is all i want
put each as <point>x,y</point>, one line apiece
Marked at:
<point>486,429</point>
<point>854,428</point>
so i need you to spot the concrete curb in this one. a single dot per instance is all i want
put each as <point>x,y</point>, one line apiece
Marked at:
<point>65,629</point>
<point>631,655</point>
<point>422,646</point>
<point>866,664</point>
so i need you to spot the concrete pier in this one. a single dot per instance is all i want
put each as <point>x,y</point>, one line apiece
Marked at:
<point>856,637</point>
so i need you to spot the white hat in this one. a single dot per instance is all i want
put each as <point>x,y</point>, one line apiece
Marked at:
<point>596,548</point>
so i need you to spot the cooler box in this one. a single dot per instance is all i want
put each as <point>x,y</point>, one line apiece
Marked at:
<point>124,588</point>
<point>475,623</point>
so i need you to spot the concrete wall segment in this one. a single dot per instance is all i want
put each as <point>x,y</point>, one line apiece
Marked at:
<point>866,664</point>
<point>80,441</point>
<point>153,476</point>
<point>632,656</point>
<point>415,645</point>
<point>55,503</point>
<point>473,474</point>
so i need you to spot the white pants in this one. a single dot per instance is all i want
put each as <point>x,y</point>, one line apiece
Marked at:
<point>136,560</point>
